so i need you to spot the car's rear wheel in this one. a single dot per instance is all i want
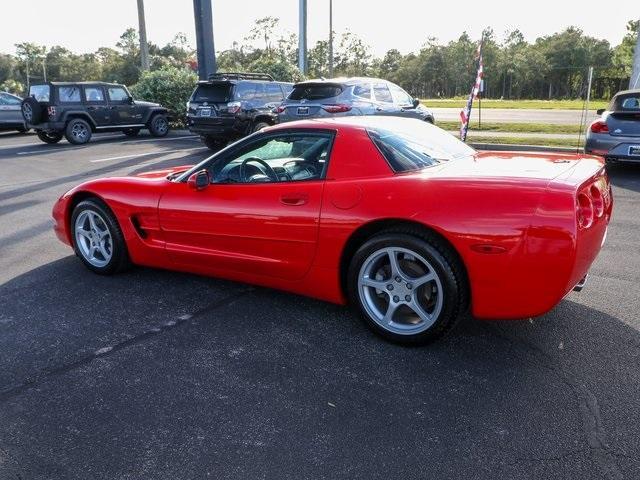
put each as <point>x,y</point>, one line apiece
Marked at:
<point>159,126</point>
<point>259,126</point>
<point>31,110</point>
<point>78,131</point>
<point>97,238</point>
<point>213,143</point>
<point>131,132</point>
<point>50,137</point>
<point>406,287</point>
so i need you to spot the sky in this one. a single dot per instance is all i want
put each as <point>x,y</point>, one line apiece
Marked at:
<point>86,25</point>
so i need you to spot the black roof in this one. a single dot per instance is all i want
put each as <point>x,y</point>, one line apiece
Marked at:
<point>64,84</point>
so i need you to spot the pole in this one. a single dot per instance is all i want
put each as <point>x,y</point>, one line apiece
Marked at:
<point>634,82</point>
<point>28,84</point>
<point>142,30</point>
<point>330,38</point>
<point>204,38</point>
<point>586,106</point>
<point>44,69</point>
<point>302,37</point>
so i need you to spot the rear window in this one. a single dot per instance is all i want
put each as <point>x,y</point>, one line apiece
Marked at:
<point>626,103</point>
<point>40,92</point>
<point>216,93</point>
<point>418,146</point>
<point>315,92</point>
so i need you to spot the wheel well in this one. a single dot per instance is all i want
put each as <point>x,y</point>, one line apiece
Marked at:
<point>369,230</point>
<point>263,118</point>
<point>153,113</point>
<point>75,200</point>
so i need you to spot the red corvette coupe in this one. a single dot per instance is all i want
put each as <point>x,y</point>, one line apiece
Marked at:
<point>392,215</point>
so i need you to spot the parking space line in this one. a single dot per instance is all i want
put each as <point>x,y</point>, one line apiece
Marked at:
<point>71,147</point>
<point>136,155</point>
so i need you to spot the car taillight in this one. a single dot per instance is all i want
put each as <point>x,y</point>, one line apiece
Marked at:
<point>336,108</point>
<point>599,127</point>
<point>280,109</point>
<point>584,210</point>
<point>233,107</point>
<point>51,111</point>
<point>597,200</point>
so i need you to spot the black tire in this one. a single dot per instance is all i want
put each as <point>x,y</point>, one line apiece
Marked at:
<point>119,255</point>
<point>159,125</point>
<point>131,132</point>
<point>259,126</point>
<point>430,120</point>
<point>213,143</point>
<point>441,260</point>
<point>77,131</point>
<point>50,138</point>
<point>32,111</point>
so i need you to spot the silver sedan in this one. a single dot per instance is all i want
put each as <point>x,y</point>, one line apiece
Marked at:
<point>11,113</point>
<point>616,134</point>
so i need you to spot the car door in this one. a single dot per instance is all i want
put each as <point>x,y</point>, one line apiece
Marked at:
<point>10,110</point>
<point>362,99</point>
<point>96,103</point>
<point>251,220</point>
<point>123,112</point>
<point>383,101</point>
<point>404,102</point>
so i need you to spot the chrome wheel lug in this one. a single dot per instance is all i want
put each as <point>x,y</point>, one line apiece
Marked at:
<point>396,298</point>
<point>409,286</point>
<point>389,287</point>
<point>407,298</point>
<point>398,279</point>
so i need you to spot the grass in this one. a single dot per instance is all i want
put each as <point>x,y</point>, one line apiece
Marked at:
<point>548,142</point>
<point>515,104</point>
<point>513,127</point>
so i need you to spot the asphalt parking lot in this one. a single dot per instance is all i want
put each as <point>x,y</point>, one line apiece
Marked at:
<point>160,375</point>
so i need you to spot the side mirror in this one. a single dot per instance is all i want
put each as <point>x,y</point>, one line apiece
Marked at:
<point>600,111</point>
<point>416,102</point>
<point>199,180</point>
<point>130,99</point>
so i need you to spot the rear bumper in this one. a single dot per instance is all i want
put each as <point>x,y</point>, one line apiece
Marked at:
<point>47,126</point>
<point>217,127</point>
<point>611,146</point>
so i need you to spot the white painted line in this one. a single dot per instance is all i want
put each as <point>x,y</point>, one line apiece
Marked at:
<point>136,155</point>
<point>111,137</point>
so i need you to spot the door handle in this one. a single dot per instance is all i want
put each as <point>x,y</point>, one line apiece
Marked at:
<point>378,109</point>
<point>91,108</point>
<point>294,199</point>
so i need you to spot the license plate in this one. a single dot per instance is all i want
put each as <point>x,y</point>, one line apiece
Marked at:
<point>634,150</point>
<point>303,110</point>
<point>205,112</point>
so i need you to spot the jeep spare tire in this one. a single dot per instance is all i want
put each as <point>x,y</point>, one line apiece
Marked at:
<point>32,111</point>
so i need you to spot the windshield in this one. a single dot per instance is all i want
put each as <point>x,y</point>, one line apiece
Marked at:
<point>215,93</point>
<point>314,92</point>
<point>417,145</point>
<point>39,92</point>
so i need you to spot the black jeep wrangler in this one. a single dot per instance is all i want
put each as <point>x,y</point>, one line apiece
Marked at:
<point>231,105</point>
<point>75,110</point>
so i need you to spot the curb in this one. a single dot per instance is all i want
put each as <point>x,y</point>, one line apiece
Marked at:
<point>505,147</point>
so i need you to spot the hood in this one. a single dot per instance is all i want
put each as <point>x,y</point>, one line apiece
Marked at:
<point>542,166</point>
<point>165,172</point>
<point>143,103</point>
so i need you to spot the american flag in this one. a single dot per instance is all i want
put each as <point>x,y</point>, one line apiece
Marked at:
<point>465,113</point>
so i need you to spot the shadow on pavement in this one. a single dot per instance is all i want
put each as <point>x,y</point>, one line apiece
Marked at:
<point>625,175</point>
<point>218,379</point>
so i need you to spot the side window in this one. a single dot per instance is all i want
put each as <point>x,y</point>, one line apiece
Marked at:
<point>117,94</point>
<point>291,157</point>
<point>273,93</point>
<point>382,93</point>
<point>247,91</point>
<point>93,94</point>
<point>287,89</point>
<point>400,96</point>
<point>6,99</point>
<point>363,90</point>
<point>69,94</point>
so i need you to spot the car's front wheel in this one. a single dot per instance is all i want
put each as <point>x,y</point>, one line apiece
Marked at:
<point>97,237</point>
<point>78,131</point>
<point>50,137</point>
<point>159,126</point>
<point>407,288</point>
<point>213,143</point>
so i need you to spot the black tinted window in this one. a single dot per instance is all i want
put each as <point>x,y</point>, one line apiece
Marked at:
<point>69,94</point>
<point>273,93</point>
<point>247,91</point>
<point>212,93</point>
<point>315,92</point>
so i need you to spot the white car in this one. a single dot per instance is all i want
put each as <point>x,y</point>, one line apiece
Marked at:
<point>11,113</point>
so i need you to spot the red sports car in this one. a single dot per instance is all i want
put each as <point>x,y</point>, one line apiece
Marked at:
<point>394,216</point>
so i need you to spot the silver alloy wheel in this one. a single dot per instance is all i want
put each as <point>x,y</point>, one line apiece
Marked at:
<point>400,290</point>
<point>160,124</point>
<point>79,131</point>
<point>27,111</point>
<point>93,238</point>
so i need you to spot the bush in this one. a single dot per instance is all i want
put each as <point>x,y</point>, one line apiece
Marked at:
<point>280,69</point>
<point>169,86</point>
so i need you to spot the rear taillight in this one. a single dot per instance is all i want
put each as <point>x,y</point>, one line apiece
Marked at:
<point>597,201</point>
<point>584,210</point>
<point>339,108</point>
<point>233,107</point>
<point>599,127</point>
<point>281,109</point>
<point>51,111</point>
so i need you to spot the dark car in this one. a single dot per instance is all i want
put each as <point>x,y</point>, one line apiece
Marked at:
<point>229,106</point>
<point>76,110</point>
<point>616,135</point>
<point>341,97</point>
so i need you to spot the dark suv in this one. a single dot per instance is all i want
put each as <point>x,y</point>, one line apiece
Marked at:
<point>75,110</point>
<point>231,105</point>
